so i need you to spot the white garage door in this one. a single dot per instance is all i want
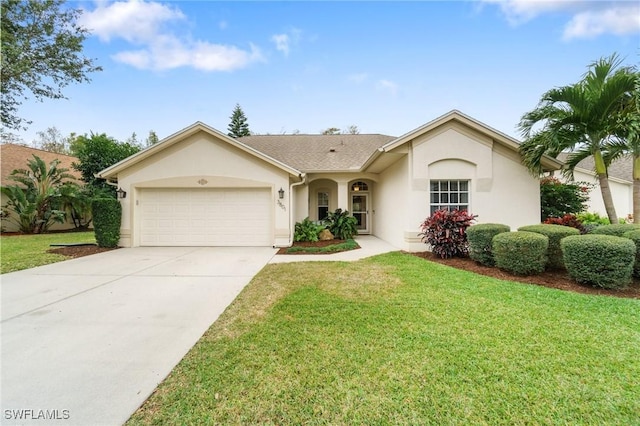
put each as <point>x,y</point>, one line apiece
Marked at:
<point>206,217</point>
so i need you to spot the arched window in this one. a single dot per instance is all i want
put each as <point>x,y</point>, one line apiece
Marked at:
<point>359,186</point>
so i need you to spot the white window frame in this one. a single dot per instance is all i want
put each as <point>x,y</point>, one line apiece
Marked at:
<point>328,195</point>
<point>445,194</point>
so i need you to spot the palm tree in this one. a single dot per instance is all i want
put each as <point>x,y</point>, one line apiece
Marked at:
<point>627,142</point>
<point>579,118</point>
<point>36,200</point>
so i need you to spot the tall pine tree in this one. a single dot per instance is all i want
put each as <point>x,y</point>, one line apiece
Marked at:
<point>238,126</point>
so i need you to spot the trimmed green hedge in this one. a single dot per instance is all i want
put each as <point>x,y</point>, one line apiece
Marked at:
<point>635,237</point>
<point>617,229</point>
<point>107,214</point>
<point>555,233</point>
<point>480,237</point>
<point>522,253</point>
<point>602,260</point>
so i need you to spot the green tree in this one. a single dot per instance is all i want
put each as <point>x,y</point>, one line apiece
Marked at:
<point>579,118</point>
<point>35,199</point>
<point>97,152</point>
<point>52,140</point>
<point>238,127</point>
<point>152,139</point>
<point>558,199</point>
<point>41,53</point>
<point>331,131</point>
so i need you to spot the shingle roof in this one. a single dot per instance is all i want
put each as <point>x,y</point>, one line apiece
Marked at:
<point>310,153</point>
<point>16,156</point>
<point>622,168</point>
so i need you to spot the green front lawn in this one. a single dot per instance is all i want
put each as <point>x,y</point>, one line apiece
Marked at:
<point>19,252</point>
<point>396,339</point>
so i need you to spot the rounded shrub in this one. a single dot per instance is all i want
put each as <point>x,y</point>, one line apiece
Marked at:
<point>635,237</point>
<point>602,260</point>
<point>521,252</point>
<point>480,237</point>
<point>617,229</point>
<point>107,214</point>
<point>555,233</point>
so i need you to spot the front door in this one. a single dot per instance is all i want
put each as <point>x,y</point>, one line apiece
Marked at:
<point>360,210</point>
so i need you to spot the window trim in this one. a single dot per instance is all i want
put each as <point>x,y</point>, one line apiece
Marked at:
<point>318,205</point>
<point>449,205</point>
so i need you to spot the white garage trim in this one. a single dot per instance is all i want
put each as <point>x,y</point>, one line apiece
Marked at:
<point>206,217</point>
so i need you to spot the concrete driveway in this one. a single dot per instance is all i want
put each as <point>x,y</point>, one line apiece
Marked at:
<point>86,341</point>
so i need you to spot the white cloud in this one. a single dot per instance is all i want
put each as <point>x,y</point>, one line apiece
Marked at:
<point>282,43</point>
<point>144,24</point>
<point>285,41</point>
<point>388,86</point>
<point>617,20</point>
<point>135,21</point>
<point>588,18</point>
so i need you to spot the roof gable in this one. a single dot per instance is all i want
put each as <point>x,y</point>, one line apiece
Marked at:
<point>475,125</point>
<point>111,172</point>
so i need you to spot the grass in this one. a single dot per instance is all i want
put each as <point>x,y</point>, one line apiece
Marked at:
<point>396,339</point>
<point>349,244</point>
<point>19,252</point>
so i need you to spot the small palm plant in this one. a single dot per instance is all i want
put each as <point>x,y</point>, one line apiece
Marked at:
<point>341,224</point>
<point>36,198</point>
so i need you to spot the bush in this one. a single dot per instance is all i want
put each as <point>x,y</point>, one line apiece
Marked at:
<point>307,230</point>
<point>558,199</point>
<point>616,230</point>
<point>522,253</point>
<point>480,237</point>
<point>555,233</point>
<point>107,214</point>
<point>567,220</point>
<point>602,260</point>
<point>592,218</point>
<point>635,237</point>
<point>445,232</point>
<point>341,225</point>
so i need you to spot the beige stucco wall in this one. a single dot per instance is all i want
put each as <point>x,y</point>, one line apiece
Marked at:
<point>202,161</point>
<point>621,191</point>
<point>501,190</point>
<point>389,207</point>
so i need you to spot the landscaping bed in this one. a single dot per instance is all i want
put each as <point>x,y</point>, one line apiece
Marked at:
<point>558,279</point>
<point>320,247</point>
<point>79,251</point>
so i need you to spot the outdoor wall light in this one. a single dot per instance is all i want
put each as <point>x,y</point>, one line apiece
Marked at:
<point>121,193</point>
<point>281,193</point>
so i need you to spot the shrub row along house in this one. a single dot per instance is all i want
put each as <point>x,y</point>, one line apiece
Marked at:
<point>201,187</point>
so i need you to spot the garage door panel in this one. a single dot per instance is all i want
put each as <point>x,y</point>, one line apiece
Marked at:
<point>206,217</point>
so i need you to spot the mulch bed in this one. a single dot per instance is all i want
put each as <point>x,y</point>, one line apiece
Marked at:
<point>552,279</point>
<point>325,243</point>
<point>79,251</point>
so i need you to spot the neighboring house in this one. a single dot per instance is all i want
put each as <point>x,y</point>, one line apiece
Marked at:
<point>620,182</point>
<point>14,157</point>
<point>201,187</point>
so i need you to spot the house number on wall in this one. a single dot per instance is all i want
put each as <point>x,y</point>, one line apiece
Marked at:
<point>203,181</point>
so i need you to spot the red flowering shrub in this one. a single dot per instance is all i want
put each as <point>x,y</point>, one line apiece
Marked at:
<point>567,220</point>
<point>445,232</point>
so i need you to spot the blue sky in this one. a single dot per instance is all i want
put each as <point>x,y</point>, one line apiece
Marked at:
<point>386,67</point>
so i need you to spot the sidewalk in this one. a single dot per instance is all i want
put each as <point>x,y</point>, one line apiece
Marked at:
<point>369,246</point>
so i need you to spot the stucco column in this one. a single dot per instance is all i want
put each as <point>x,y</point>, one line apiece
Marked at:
<point>343,195</point>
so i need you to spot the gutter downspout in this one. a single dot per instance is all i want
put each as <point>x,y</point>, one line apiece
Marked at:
<point>291,224</point>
